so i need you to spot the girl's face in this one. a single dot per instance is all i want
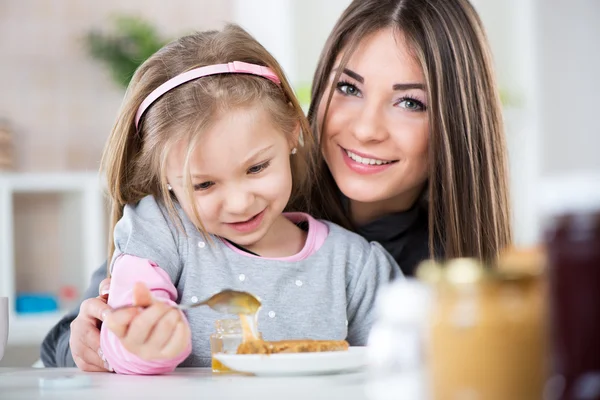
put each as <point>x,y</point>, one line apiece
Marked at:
<point>241,175</point>
<point>376,134</point>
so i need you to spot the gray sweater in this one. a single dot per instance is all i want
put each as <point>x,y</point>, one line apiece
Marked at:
<point>327,291</point>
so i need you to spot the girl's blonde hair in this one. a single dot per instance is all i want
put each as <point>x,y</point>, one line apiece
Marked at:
<point>468,196</point>
<point>134,160</point>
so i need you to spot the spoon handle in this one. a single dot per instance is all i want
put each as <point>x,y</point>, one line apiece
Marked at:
<point>181,307</point>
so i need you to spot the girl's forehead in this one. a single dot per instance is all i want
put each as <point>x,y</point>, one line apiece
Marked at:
<point>241,126</point>
<point>229,140</point>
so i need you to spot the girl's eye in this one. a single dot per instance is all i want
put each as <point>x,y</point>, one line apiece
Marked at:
<point>347,89</point>
<point>258,168</point>
<point>411,104</point>
<point>203,185</point>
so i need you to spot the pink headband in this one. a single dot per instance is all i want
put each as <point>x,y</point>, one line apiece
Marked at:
<point>236,67</point>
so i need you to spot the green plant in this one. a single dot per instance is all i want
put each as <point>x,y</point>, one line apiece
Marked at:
<point>510,98</point>
<point>130,43</point>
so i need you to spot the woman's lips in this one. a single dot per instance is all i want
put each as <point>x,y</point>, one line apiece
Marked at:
<point>358,163</point>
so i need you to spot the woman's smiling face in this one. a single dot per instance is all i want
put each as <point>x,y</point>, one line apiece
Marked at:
<point>376,133</point>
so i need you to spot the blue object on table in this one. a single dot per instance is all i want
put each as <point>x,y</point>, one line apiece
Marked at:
<point>29,303</point>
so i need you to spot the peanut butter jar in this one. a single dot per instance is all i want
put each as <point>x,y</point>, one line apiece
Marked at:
<point>487,332</point>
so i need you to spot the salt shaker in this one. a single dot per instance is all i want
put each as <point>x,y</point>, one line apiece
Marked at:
<point>396,346</point>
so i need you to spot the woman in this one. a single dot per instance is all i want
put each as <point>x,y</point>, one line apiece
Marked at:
<point>407,110</point>
<point>407,86</point>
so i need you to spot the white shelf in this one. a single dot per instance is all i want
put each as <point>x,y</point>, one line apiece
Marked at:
<point>83,192</point>
<point>28,329</point>
<point>55,182</point>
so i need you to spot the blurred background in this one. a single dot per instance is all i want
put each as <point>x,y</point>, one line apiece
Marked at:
<point>64,64</point>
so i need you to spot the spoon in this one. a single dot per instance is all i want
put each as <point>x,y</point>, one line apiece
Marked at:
<point>226,301</point>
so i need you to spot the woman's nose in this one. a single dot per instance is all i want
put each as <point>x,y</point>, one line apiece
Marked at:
<point>369,123</point>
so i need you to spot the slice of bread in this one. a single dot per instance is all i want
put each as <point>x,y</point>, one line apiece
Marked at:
<point>291,346</point>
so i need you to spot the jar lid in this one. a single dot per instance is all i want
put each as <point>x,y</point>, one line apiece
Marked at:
<point>429,271</point>
<point>522,260</point>
<point>468,272</point>
<point>570,192</point>
<point>455,272</point>
<point>464,271</point>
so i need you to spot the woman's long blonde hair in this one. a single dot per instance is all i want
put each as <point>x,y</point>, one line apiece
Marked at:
<point>468,195</point>
<point>134,160</point>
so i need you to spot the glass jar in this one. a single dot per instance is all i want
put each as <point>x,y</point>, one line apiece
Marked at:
<point>226,339</point>
<point>486,337</point>
<point>572,236</point>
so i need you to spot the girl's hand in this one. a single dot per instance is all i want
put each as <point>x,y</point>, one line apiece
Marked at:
<point>158,331</point>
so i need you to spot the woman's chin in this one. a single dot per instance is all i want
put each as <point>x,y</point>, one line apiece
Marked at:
<point>363,193</point>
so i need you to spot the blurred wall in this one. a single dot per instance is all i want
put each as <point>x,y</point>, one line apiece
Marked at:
<point>547,59</point>
<point>294,31</point>
<point>569,50</point>
<point>61,102</point>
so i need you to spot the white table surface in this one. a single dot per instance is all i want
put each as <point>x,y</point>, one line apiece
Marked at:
<point>186,383</point>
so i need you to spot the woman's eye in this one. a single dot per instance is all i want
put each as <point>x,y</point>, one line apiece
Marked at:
<point>348,89</point>
<point>258,168</point>
<point>411,104</point>
<point>203,185</point>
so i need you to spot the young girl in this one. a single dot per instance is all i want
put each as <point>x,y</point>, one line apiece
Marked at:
<point>209,149</point>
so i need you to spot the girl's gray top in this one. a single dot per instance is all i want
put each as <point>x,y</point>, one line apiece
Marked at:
<point>328,295</point>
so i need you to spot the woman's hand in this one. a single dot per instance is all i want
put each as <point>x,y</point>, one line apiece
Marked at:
<point>85,332</point>
<point>157,331</point>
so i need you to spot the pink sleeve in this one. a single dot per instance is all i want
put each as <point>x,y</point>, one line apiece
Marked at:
<point>128,270</point>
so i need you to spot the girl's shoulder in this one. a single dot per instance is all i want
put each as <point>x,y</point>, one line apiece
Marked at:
<point>149,211</point>
<point>350,245</point>
<point>339,234</point>
<point>329,234</point>
<point>358,253</point>
<point>147,230</point>
<point>147,208</point>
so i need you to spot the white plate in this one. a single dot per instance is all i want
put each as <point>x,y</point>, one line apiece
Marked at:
<point>328,362</point>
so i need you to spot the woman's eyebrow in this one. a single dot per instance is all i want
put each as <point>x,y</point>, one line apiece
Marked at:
<point>351,74</point>
<point>408,86</point>
<point>396,86</point>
